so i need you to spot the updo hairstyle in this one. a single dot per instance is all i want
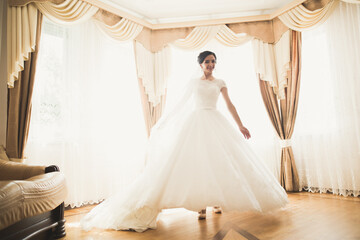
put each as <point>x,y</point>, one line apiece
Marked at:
<point>203,55</point>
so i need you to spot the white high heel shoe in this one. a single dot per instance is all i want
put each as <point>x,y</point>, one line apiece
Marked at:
<point>217,209</point>
<point>202,214</point>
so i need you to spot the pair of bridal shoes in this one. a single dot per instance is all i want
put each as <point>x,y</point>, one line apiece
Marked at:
<point>202,212</point>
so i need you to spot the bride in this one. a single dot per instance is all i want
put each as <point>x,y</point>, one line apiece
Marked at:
<point>195,159</point>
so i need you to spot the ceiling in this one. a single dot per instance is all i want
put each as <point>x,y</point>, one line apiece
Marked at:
<point>173,11</point>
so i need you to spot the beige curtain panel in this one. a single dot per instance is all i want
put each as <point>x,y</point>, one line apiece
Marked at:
<point>283,118</point>
<point>301,18</point>
<point>288,173</point>
<point>19,103</point>
<point>124,30</point>
<point>21,38</point>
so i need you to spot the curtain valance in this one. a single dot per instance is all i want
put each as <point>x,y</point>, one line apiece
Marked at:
<point>22,20</point>
<point>228,38</point>
<point>21,3</point>
<point>298,18</point>
<point>198,37</point>
<point>352,1</point>
<point>202,35</point>
<point>68,12</point>
<point>122,31</point>
<point>160,38</point>
<point>301,18</point>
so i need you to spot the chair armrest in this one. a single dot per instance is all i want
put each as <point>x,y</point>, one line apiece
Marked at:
<point>21,199</point>
<point>19,160</point>
<point>18,171</point>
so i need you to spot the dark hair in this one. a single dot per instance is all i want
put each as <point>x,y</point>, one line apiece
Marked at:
<point>203,55</point>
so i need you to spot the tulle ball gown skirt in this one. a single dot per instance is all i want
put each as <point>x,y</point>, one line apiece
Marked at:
<point>200,160</point>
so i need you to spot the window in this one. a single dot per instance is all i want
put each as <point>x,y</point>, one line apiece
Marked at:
<point>87,115</point>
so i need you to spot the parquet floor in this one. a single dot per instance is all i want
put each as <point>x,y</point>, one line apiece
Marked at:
<point>308,216</point>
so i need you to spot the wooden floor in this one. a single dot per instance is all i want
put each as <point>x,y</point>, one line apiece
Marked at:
<point>307,216</point>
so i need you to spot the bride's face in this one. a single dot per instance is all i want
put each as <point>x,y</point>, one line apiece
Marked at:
<point>208,64</point>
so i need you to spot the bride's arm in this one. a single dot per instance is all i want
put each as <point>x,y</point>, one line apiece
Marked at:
<point>234,113</point>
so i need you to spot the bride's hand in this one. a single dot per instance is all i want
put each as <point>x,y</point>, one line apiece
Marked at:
<point>245,132</point>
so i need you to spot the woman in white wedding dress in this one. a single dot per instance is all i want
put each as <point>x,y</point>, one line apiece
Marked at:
<point>195,159</point>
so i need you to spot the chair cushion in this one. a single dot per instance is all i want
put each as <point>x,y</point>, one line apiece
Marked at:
<point>26,198</point>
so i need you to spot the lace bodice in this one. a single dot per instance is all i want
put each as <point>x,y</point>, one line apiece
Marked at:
<point>206,93</point>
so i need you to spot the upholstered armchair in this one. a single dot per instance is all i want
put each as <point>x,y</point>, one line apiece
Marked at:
<point>31,200</point>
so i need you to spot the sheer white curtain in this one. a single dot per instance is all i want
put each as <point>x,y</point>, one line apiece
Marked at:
<point>326,140</point>
<point>86,115</point>
<point>235,66</point>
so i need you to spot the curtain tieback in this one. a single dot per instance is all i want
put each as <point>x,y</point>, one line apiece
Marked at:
<point>284,143</point>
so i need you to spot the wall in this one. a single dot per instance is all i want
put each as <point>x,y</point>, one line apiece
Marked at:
<point>3,73</point>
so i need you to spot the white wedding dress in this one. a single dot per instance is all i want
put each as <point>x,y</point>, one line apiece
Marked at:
<point>195,158</point>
